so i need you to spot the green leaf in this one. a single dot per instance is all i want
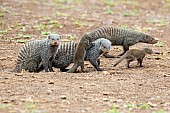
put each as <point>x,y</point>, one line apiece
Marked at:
<point>144,106</point>
<point>124,26</point>
<point>160,44</point>
<point>160,111</point>
<point>24,36</point>
<point>4,106</point>
<point>110,3</point>
<point>21,41</point>
<point>109,12</point>
<point>46,32</point>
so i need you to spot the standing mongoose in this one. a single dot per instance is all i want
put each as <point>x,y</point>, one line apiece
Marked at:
<point>37,52</point>
<point>65,54</point>
<point>83,45</point>
<point>117,36</point>
<point>133,54</point>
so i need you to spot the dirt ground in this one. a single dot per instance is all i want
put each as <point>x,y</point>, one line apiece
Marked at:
<point>115,90</point>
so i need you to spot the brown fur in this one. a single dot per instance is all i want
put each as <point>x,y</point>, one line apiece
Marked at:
<point>126,38</point>
<point>83,45</point>
<point>133,54</point>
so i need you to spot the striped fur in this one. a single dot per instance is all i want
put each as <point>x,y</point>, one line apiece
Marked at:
<point>122,37</point>
<point>35,52</point>
<point>118,36</point>
<point>65,53</point>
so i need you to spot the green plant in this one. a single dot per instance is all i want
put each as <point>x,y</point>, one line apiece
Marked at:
<point>24,36</point>
<point>123,26</point>
<point>46,32</point>
<point>132,105</point>
<point>43,26</point>
<point>5,106</point>
<point>144,106</point>
<point>47,18</point>
<point>160,111</point>
<point>110,3</point>
<point>2,14</point>
<point>80,23</point>
<point>3,31</point>
<point>158,22</point>
<point>160,44</point>
<point>60,14</point>
<point>109,11</point>
<point>56,24</point>
<point>21,41</point>
<point>114,110</point>
<point>130,13</point>
<point>1,23</point>
<point>34,108</point>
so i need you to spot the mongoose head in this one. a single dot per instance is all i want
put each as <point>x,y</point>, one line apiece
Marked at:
<point>85,40</point>
<point>54,39</point>
<point>148,51</point>
<point>148,39</point>
<point>105,45</point>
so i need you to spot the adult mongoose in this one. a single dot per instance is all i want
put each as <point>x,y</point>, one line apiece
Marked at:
<point>37,52</point>
<point>133,54</point>
<point>65,54</point>
<point>117,36</point>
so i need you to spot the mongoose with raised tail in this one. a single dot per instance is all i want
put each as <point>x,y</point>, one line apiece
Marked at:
<point>65,54</point>
<point>37,52</point>
<point>133,54</point>
<point>117,36</point>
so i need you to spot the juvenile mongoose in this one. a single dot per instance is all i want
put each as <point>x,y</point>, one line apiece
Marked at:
<point>133,54</point>
<point>117,36</point>
<point>65,54</point>
<point>83,45</point>
<point>37,52</point>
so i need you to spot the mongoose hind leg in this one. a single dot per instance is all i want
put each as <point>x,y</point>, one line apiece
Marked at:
<point>73,68</point>
<point>129,59</point>
<point>140,62</point>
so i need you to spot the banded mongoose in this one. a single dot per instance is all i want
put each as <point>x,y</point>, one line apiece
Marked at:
<point>117,36</point>
<point>36,53</point>
<point>133,54</point>
<point>65,54</point>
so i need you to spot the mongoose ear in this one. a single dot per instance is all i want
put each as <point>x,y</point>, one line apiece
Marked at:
<point>49,36</point>
<point>93,43</point>
<point>100,43</point>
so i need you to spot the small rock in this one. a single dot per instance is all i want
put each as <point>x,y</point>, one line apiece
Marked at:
<point>166,75</point>
<point>151,104</point>
<point>51,83</point>
<point>81,87</point>
<point>105,93</point>
<point>18,74</point>
<point>119,100</point>
<point>63,97</point>
<point>105,72</point>
<point>105,99</point>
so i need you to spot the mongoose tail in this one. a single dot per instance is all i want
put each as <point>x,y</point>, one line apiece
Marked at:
<point>120,59</point>
<point>133,54</point>
<point>125,38</point>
